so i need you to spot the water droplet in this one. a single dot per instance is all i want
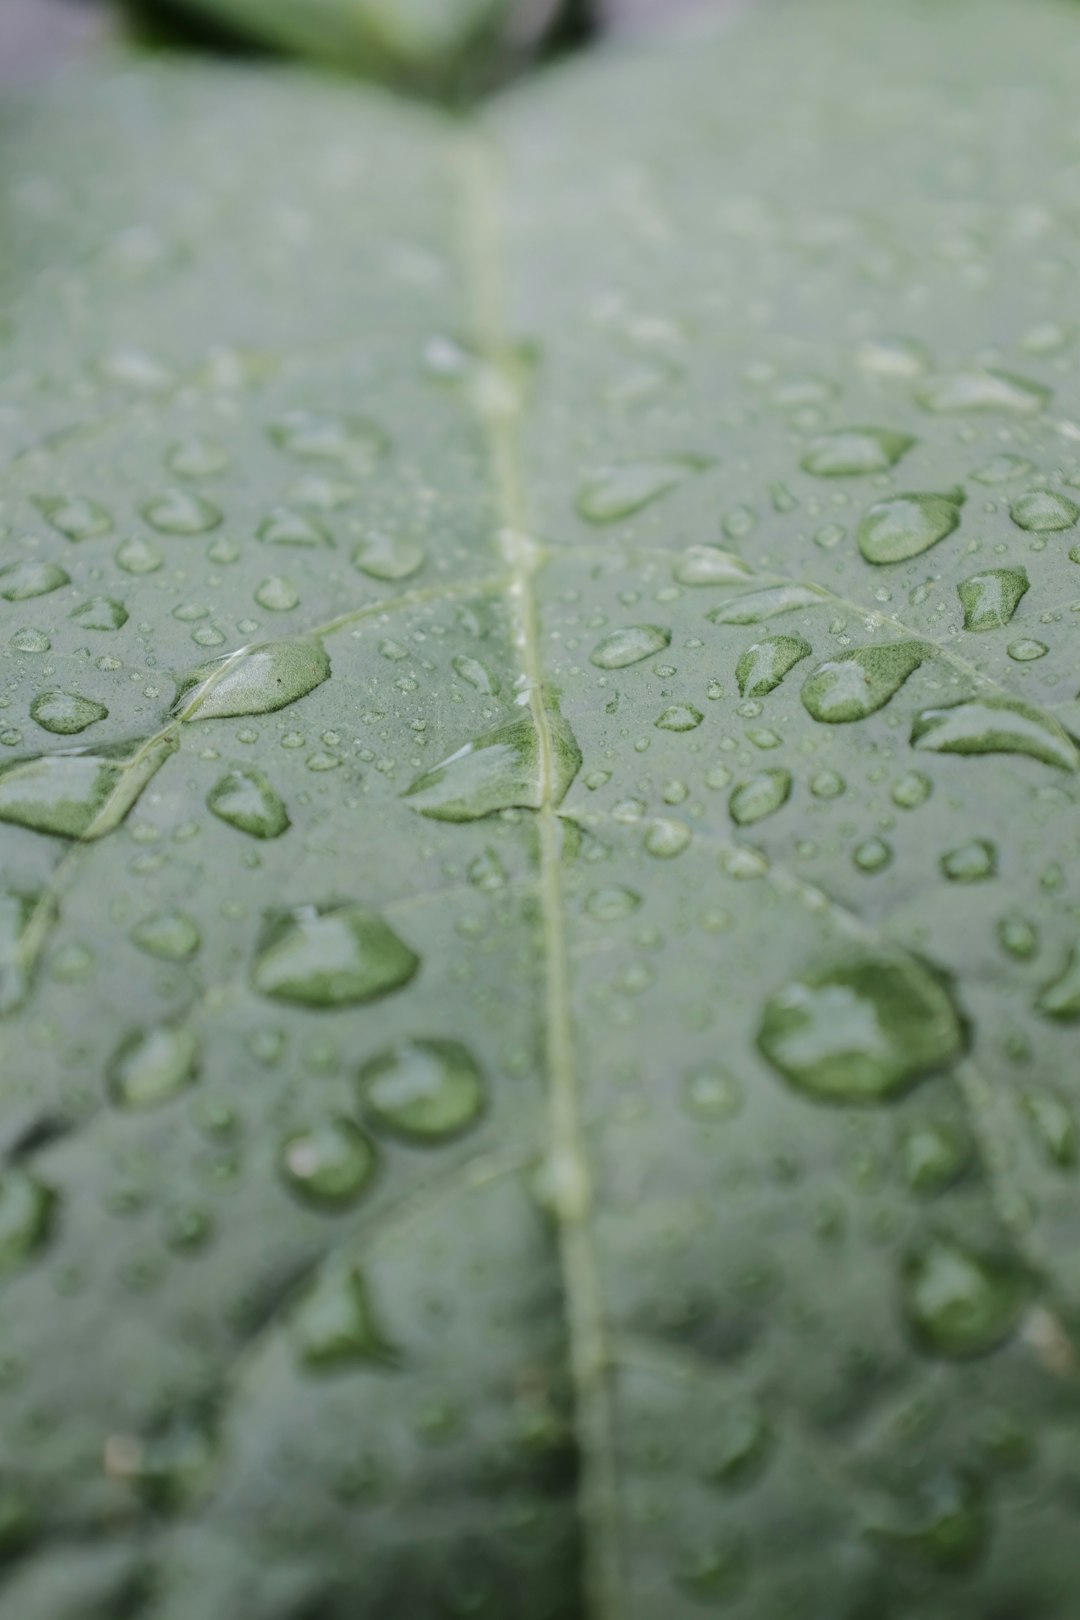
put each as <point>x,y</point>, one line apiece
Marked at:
<point>17,911</point>
<point>712,1094</point>
<point>277,595</point>
<point>860,682</point>
<point>679,717</point>
<point>153,1065</point>
<point>754,607</point>
<point>334,1324</point>
<point>763,665</point>
<point>65,713</point>
<point>619,491</point>
<point>330,956</point>
<point>73,516</point>
<point>893,357</point>
<point>611,904</point>
<point>982,390</point>
<point>904,526</point>
<point>1053,1124</point>
<point>258,679</point>
<point>80,793</point>
<point>971,863</point>
<point>196,457</point>
<point>1043,511</point>
<point>424,1090</point>
<point>329,1165</point>
<point>630,645</point>
<point>29,640</point>
<point>284,527</point>
<point>101,613</point>
<point>1026,650</point>
<point>1001,468</point>
<point>911,790</point>
<point>851,452</point>
<point>665,839</point>
<point>872,855</point>
<point>477,675</point>
<point>995,726</point>
<point>178,511</point>
<point>935,1154</point>
<point>761,796</point>
<point>960,1303</point>
<point>172,936</point>
<point>827,785</point>
<point>708,565</point>
<point>20,581</point>
<point>1061,999</point>
<point>990,598</point>
<point>946,1524</point>
<point>388,557</point>
<point>501,770</point>
<point>26,1209</point>
<point>245,800</point>
<point>1019,937</point>
<point>137,555</point>
<point>861,1029</point>
<point>322,436</point>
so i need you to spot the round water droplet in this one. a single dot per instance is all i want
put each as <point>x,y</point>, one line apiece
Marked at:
<point>712,1094</point>
<point>905,526</point>
<point>872,855</point>
<point>30,640</point>
<point>101,613</point>
<point>21,581</point>
<point>284,527</point>
<point>1043,511</point>
<point>172,936</point>
<point>73,516</point>
<point>827,785</point>
<point>178,511</point>
<point>764,664</point>
<point>245,800</point>
<point>860,682</point>
<point>153,1065</point>
<point>861,1029</point>
<point>196,457</point>
<point>139,556</point>
<point>1019,937</point>
<point>990,598</point>
<point>911,790</point>
<point>330,1165</point>
<point>277,595</point>
<point>971,863</point>
<point>630,646</point>
<point>611,904</point>
<point>330,957</point>
<point>679,717</point>
<point>388,557</point>
<point>961,1303</point>
<point>855,452</point>
<point>26,1209</point>
<point>65,713</point>
<point>666,839</point>
<point>422,1089</point>
<point>759,797</point>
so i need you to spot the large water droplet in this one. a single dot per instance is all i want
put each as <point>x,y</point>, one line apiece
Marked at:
<point>423,1089</point>
<point>334,1324</point>
<point>860,682</point>
<point>905,526</point>
<point>330,1165</point>
<point>258,679</point>
<point>326,436</point>
<point>245,799</point>
<point>26,1209</point>
<point>153,1065</point>
<point>617,492</point>
<point>995,726</point>
<point>179,511</point>
<point>65,713</point>
<point>1043,511</point>
<point>961,1303</point>
<point>982,390</point>
<point>73,516</point>
<point>763,665</point>
<point>388,557</point>
<point>861,1029</point>
<point>630,645</point>
<point>851,452</point>
<point>708,565</point>
<point>754,607</point>
<point>80,793</point>
<point>330,956</point>
<point>1061,999</point>
<point>990,598</point>
<point>20,581</point>
<point>500,770</point>
<point>763,794</point>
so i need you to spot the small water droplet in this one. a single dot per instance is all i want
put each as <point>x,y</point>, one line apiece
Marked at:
<point>65,713</point>
<point>619,491</point>
<point>388,557</point>
<point>26,1211</point>
<point>137,555</point>
<point>277,595</point>
<point>763,665</point>
<point>990,598</point>
<point>196,457</point>
<point>258,679</point>
<point>179,511</point>
<point>854,452</point>
<point>1026,650</point>
<point>1019,937</point>
<point>971,862</point>
<point>1053,1124</point>
<point>630,645</point>
<point>501,770</point>
<point>665,839</point>
<point>911,790</point>
<point>245,800</point>
<point>424,1090</point>
<point>872,855</point>
<point>960,1303</point>
<point>761,796</point>
<point>861,1029</point>
<point>1044,511</point>
<point>329,1165</point>
<point>712,1094</point>
<point>20,581</point>
<point>1061,998</point>
<point>153,1065</point>
<point>330,956</point>
<point>904,526</point>
<point>611,904</point>
<point>172,936</point>
<point>981,390</point>
<point>860,682</point>
<point>73,516</point>
<point>995,726</point>
<point>935,1154</point>
<point>285,527</point>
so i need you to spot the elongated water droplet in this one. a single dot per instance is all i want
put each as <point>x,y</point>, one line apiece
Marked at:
<point>1043,511</point>
<point>860,682</point>
<point>893,357</point>
<point>960,1303</point>
<point>80,793</point>
<point>754,607</point>
<point>26,1210</point>
<point>20,581</point>
<point>245,800</point>
<point>759,797</point>
<point>630,645</point>
<point>330,956</point>
<point>995,726</point>
<point>334,1324</point>
<point>65,713</point>
<point>1026,650</point>
<point>679,717</point>
<point>325,436</point>
<point>258,679</point>
<point>971,863</point>
<point>17,911</point>
<point>982,390</point>
<point>330,1165</point>
<point>990,598</point>
<point>285,527</point>
<point>619,491</point>
<point>101,613</point>
<point>153,1065</point>
<point>935,1154</point>
<point>477,675</point>
<point>196,457</point>
<point>862,1029</point>
<point>763,665</point>
<point>388,557</point>
<point>1000,469</point>
<point>1061,998</point>
<point>172,936</point>
<point>73,516</point>
<point>500,770</point>
<point>853,452</point>
<point>1019,936</point>
<point>905,526</point>
<point>708,565</point>
<point>422,1089</point>
<point>1053,1124</point>
<point>611,904</point>
<point>179,511</point>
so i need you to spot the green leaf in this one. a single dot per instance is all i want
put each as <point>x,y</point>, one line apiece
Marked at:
<point>539,1027</point>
